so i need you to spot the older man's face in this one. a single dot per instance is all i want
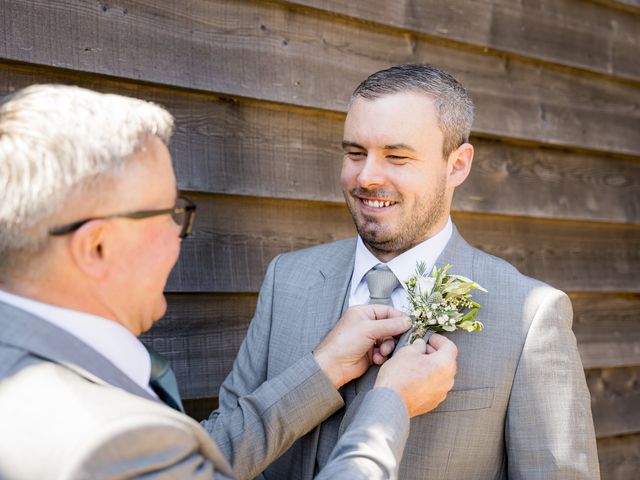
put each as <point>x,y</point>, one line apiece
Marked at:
<point>147,249</point>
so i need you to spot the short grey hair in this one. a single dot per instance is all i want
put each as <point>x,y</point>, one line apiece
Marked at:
<point>56,140</point>
<point>452,102</point>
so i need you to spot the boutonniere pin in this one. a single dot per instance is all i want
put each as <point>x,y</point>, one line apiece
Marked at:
<point>441,302</point>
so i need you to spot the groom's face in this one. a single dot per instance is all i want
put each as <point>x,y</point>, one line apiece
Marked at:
<point>394,176</point>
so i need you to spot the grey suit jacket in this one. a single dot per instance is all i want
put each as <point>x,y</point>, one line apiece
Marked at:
<point>520,407</point>
<point>66,412</point>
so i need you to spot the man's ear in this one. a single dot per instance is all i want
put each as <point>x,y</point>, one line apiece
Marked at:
<point>89,248</point>
<point>459,164</point>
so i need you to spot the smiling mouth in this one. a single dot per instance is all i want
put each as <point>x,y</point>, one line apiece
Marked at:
<point>377,203</point>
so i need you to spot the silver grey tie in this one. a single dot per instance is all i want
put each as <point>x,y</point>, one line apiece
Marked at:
<point>381,282</point>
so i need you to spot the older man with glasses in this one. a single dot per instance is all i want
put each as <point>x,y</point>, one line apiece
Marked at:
<point>91,224</point>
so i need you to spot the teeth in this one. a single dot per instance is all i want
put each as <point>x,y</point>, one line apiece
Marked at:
<point>376,203</point>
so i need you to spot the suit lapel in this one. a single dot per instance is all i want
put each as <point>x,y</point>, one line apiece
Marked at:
<point>459,254</point>
<point>329,292</point>
<point>39,337</point>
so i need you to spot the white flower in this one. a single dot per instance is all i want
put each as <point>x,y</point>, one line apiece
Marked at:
<point>425,285</point>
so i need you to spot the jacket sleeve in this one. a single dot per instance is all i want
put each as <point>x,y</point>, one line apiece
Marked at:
<point>145,446</point>
<point>549,428</point>
<point>371,448</point>
<point>258,419</point>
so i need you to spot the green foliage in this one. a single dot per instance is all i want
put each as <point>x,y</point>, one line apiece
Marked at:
<point>441,302</point>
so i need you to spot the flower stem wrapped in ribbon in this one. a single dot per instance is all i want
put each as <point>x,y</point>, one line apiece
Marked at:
<point>441,302</point>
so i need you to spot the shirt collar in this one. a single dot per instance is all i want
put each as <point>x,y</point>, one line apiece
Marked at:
<point>107,337</point>
<point>404,265</point>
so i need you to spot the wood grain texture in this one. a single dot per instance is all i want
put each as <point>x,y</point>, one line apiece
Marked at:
<point>267,150</point>
<point>200,335</point>
<point>615,396</point>
<point>200,408</point>
<point>235,238</point>
<point>578,33</point>
<point>619,457</point>
<point>607,329</point>
<point>312,60</point>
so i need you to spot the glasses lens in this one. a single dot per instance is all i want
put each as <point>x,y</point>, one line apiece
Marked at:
<point>179,216</point>
<point>183,215</point>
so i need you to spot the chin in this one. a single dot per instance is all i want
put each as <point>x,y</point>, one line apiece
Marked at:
<point>157,313</point>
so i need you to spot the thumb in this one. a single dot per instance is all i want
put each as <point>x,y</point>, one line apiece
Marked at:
<point>388,327</point>
<point>379,311</point>
<point>443,344</point>
<point>419,345</point>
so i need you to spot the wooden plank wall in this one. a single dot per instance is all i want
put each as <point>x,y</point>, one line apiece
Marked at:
<point>259,90</point>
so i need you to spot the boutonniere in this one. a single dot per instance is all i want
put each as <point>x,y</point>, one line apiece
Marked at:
<point>441,302</point>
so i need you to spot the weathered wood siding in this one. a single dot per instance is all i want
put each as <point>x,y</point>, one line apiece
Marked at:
<point>259,90</point>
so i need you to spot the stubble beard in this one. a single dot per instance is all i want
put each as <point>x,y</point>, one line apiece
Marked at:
<point>412,227</point>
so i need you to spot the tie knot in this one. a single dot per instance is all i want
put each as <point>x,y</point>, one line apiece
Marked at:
<point>381,282</point>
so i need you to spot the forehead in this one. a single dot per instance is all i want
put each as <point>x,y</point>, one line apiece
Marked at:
<point>149,176</point>
<point>394,118</point>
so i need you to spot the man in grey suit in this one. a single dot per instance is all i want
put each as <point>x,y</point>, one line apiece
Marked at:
<point>520,408</point>
<point>90,227</point>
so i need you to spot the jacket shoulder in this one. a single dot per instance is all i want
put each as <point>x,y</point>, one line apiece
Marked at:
<point>497,270</point>
<point>93,426</point>
<point>326,253</point>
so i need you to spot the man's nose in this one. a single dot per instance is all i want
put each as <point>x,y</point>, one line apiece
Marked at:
<point>372,172</point>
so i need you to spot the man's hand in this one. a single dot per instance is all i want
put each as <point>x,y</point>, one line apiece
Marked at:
<point>421,374</point>
<point>361,337</point>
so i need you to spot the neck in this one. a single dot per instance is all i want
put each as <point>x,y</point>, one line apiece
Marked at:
<point>385,255</point>
<point>63,294</point>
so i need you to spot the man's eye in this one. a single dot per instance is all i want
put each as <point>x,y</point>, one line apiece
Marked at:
<point>396,157</point>
<point>355,154</point>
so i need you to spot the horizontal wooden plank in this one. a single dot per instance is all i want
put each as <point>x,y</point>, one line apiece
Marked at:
<point>529,181</point>
<point>615,396</point>
<point>312,60</point>
<point>236,237</point>
<point>607,327</point>
<point>568,255</point>
<point>569,32</point>
<point>619,457</point>
<point>262,149</point>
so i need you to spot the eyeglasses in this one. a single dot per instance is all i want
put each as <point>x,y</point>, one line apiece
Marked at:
<point>183,214</point>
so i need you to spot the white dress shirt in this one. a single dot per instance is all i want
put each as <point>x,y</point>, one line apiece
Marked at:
<point>107,337</point>
<point>403,266</point>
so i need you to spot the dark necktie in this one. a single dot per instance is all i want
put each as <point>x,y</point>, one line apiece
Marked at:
<point>163,381</point>
<point>381,282</point>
